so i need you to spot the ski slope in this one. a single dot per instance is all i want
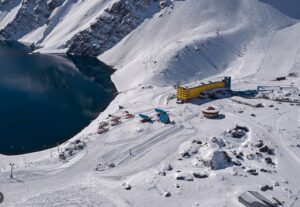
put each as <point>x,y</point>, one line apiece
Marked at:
<point>278,52</point>
<point>253,41</point>
<point>167,46</point>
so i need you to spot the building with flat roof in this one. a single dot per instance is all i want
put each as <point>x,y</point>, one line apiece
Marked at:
<point>255,199</point>
<point>192,90</point>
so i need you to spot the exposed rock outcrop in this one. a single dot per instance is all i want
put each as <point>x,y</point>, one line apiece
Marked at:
<point>112,25</point>
<point>115,23</point>
<point>220,160</point>
<point>31,15</point>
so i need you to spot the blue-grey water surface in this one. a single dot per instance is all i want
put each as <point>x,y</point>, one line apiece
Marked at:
<point>47,99</point>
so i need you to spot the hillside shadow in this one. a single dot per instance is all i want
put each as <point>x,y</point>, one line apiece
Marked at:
<point>8,5</point>
<point>290,8</point>
<point>220,117</point>
<point>18,180</point>
<point>214,96</point>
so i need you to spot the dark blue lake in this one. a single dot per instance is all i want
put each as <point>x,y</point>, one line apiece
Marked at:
<point>47,99</point>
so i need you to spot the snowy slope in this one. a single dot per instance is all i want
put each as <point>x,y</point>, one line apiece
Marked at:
<point>82,27</point>
<point>68,20</point>
<point>168,45</point>
<point>8,11</point>
<point>253,41</point>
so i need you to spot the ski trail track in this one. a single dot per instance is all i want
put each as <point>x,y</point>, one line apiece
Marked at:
<point>272,58</point>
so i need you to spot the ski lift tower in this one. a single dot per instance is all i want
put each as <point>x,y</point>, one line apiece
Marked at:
<point>11,169</point>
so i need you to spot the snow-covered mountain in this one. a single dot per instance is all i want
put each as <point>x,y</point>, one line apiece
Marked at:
<point>77,27</point>
<point>153,45</point>
<point>160,39</point>
<point>195,39</point>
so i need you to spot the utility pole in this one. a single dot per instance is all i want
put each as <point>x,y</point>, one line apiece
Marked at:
<point>57,147</point>
<point>11,169</point>
<point>218,33</point>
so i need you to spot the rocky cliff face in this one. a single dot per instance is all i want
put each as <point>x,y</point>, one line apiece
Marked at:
<point>109,28</point>
<point>117,20</point>
<point>31,15</point>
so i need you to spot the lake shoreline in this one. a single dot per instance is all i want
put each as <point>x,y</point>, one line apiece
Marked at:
<point>96,79</point>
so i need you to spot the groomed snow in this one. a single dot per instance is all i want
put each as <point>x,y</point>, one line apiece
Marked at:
<point>256,43</point>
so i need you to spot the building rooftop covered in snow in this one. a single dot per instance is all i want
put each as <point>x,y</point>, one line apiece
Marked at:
<point>255,199</point>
